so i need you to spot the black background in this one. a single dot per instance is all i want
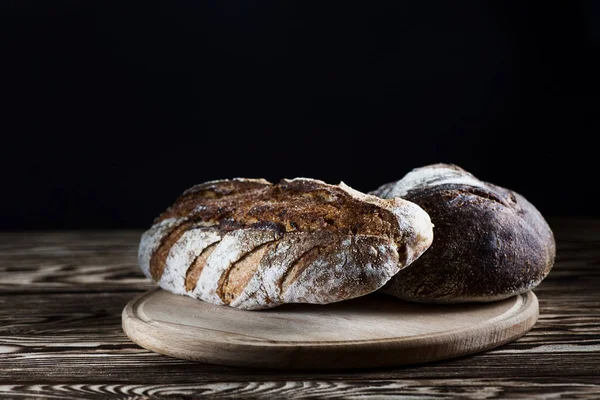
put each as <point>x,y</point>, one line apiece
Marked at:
<point>111,109</point>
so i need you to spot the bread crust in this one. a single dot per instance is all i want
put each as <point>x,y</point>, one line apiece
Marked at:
<point>490,242</point>
<point>250,244</point>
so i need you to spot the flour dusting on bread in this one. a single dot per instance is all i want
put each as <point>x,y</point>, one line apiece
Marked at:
<point>251,244</point>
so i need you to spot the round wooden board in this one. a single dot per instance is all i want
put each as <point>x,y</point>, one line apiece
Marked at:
<point>370,331</point>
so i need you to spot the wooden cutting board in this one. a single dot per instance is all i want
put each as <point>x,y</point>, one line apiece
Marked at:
<point>370,331</point>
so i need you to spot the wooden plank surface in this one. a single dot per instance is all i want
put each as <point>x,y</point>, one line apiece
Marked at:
<point>61,297</point>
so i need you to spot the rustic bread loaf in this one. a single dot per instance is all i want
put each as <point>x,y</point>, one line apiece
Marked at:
<point>249,244</point>
<point>490,243</point>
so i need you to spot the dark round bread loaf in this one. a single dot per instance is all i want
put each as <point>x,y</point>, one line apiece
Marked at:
<point>489,242</point>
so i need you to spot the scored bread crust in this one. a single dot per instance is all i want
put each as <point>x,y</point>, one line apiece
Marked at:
<point>490,242</point>
<point>250,244</point>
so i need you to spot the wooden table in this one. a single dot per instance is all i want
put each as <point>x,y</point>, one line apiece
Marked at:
<point>62,293</point>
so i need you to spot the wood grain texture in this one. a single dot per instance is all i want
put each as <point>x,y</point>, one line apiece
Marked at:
<point>78,261</point>
<point>61,297</point>
<point>370,331</point>
<point>322,389</point>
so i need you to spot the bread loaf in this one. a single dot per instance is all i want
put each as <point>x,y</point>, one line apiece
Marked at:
<point>250,244</point>
<point>490,243</point>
